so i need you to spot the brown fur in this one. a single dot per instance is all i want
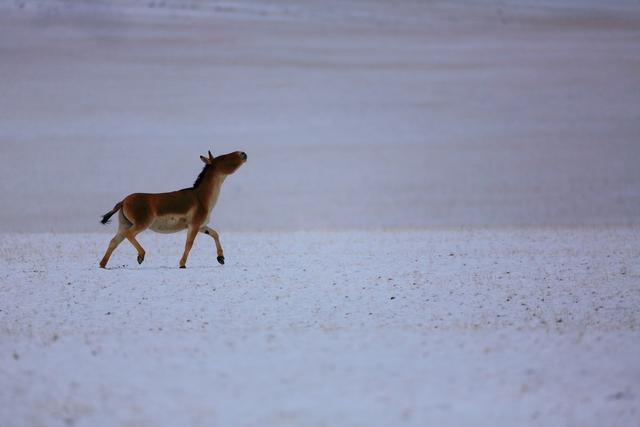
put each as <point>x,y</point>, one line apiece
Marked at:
<point>188,209</point>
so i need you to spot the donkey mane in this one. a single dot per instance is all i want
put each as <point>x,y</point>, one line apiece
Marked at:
<point>200,177</point>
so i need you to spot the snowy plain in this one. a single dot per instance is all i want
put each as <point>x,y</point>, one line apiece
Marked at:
<point>439,221</point>
<point>438,327</point>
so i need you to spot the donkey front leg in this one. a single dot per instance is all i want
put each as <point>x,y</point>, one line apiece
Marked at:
<point>191,235</point>
<point>213,233</point>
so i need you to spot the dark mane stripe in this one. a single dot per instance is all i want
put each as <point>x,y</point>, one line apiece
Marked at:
<point>201,176</point>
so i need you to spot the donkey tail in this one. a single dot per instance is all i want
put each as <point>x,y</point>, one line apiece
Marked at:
<point>105,217</point>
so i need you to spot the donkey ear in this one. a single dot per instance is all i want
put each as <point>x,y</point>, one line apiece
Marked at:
<point>205,160</point>
<point>210,157</point>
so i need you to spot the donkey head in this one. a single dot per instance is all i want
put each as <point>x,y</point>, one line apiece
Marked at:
<point>226,163</point>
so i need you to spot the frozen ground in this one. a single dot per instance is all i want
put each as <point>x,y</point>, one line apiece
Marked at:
<point>434,327</point>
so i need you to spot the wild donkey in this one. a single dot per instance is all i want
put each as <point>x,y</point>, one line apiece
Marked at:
<point>188,208</point>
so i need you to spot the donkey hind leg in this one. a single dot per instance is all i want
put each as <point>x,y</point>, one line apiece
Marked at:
<point>213,233</point>
<point>113,244</point>
<point>131,233</point>
<point>123,224</point>
<point>191,235</point>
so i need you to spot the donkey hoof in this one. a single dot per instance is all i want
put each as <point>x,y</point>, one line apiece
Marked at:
<point>221,260</point>
<point>183,266</point>
<point>140,259</point>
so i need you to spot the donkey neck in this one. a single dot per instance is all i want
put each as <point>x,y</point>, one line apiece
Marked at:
<point>209,189</point>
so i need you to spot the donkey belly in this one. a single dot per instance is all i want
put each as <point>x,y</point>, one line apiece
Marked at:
<point>169,224</point>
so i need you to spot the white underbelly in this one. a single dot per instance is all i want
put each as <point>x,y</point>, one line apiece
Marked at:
<point>169,224</point>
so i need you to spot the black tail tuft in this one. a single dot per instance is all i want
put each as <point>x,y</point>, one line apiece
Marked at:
<point>105,217</point>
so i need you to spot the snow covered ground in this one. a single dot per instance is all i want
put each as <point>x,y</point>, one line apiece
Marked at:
<point>435,327</point>
<point>438,223</point>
